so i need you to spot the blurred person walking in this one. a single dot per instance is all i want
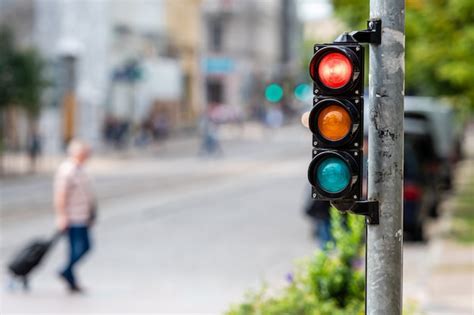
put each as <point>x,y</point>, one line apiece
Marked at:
<point>210,133</point>
<point>161,126</point>
<point>34,149</point>
<point>75,207</point>
<point>210,141</point>
<point>274,117</point>
<point>318,212</point>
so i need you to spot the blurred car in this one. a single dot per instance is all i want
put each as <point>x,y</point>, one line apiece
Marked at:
<point>418,135</point>
<point>445,132</point>
<point>415,196</point>
<point>422,193</point>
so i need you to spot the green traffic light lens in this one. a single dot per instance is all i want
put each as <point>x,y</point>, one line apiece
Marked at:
<point>333,175</point>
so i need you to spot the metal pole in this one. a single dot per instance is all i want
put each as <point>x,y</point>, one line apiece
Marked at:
<point>385,172</point>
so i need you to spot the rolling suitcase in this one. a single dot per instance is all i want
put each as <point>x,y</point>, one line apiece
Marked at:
<point>30,257</point>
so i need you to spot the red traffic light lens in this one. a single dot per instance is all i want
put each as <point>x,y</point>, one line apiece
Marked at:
<point>334,122</point>
<point>335,70</point>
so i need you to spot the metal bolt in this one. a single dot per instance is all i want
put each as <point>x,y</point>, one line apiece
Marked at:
<point>357,48</point>
<point>316,91</point>
<point>315,143</point>
<point>356,144</point>
<point>357,92</point>
<point>357,101</point>
<point>316,48</point>
<point>371,24</point>
<point>356,154</point>
<point>314,195</point>
<point>315,152</point>
<point>355,196</point>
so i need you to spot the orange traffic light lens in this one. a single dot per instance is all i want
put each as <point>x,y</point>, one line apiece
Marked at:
<point>334,122</point>
<point>335,70</point>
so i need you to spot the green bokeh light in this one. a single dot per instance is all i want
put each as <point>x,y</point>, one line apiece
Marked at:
<point>274,93</point>
<point>303,92</point>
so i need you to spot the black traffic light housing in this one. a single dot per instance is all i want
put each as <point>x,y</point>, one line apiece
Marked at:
<point>348,97</point>
<point>344,101</point>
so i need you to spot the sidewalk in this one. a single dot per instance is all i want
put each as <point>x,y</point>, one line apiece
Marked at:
<point>16,164</point>
<point>450,284</point>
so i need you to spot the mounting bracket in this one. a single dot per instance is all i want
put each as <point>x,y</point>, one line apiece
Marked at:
<point>372,35</point>
<point>368,208</point>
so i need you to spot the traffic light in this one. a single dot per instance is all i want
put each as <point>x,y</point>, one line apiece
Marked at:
<point>336,121</point>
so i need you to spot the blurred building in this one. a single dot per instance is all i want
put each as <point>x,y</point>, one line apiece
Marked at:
<point>247,43</point>
<point>112,60</point>
<point>135,60</point>
<point>126,59</point>
<point>184,30</point>
<point>146,80</point>
<point>18,16</point>
<point>72,36</point>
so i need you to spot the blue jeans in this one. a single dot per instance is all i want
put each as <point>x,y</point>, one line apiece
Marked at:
<point>79,245</point>
<point>323,230</point>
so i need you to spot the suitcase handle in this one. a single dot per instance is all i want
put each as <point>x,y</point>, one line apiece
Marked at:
<point>56,236</point>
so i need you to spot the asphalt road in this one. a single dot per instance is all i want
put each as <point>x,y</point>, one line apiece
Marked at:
<point>178,233</point>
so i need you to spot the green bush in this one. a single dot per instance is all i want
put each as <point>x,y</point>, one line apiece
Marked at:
<point>329,283</point>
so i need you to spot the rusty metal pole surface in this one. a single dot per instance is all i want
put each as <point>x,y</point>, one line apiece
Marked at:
<point>385,166</point>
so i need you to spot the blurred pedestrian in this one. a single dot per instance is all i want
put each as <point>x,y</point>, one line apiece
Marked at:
<point>210,142</point>
<point>161,126</point>
<point>210,134</point>
<point>75,207</point>
<point>274,117</point>
<point>34,149</point>
<point>318,212</point>
<point>145,133</point>
<point>108,129</point>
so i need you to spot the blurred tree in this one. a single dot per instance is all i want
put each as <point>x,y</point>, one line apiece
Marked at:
<point>21,81</point>
<point>354,12</point>
<point>28,67</point>
<point>7,80</point>
<point>439,45</point>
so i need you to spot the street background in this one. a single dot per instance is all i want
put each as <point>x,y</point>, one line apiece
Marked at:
<point>192,108</point>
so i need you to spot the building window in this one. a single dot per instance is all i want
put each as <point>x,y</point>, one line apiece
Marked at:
<point>215,34</point>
